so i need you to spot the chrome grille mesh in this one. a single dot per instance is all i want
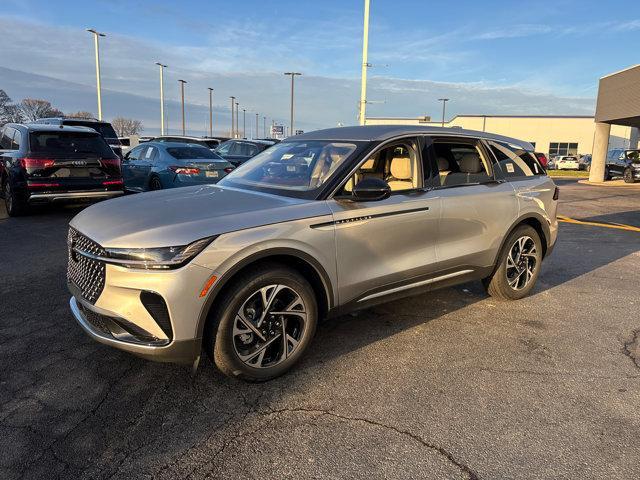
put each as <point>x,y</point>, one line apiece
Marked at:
<point>86,274</point>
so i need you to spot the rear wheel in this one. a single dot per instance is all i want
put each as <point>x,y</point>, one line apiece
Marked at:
<point>628,176</point>
<point>14,205</point>
<point>155,183</point>
<point>518,267</point>
<point>265,322</point>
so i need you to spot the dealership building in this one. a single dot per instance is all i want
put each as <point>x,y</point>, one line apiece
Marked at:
<point>550,134</point>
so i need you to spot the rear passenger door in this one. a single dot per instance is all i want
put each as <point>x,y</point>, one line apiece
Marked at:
<point>130,173</point>
<point>477,208</point>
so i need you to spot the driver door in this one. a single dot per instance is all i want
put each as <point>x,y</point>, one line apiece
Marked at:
<point>387,246</point>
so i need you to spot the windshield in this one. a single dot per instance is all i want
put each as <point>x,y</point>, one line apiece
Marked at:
<point>192,153</point>
<point>293,166</point>
<point>69,143</point>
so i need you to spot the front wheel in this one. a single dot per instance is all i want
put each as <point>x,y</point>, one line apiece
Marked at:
<point>628,176</point>
<point>265,322</point>
<point>155,183</point>
<point>518,265</point>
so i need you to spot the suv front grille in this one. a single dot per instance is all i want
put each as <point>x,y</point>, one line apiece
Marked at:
<point>86,274</point>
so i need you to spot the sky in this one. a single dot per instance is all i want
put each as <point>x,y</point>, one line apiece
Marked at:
<point>488,57</point>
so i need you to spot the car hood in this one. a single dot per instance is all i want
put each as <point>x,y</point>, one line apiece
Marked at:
<point>182,215</point>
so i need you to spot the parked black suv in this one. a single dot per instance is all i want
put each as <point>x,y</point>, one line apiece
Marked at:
<point>47,163</point>
<point>103,128</point>
<point>239,151</point>
<point>625,164</point>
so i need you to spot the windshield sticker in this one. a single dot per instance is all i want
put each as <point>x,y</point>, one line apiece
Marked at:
<point>510,168</point>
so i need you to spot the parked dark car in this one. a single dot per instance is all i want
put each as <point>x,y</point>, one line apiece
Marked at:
<point>103,128</point>
<point>585,162</point>
<point>159,165</point>
<point>625,164</point>
<point>239,151</point>
<point>47,163</point>
<point>208,142</point>
<point>542,158</point>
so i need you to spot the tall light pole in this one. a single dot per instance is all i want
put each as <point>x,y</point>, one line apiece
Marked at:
<point>162,67</point>
<point>237,129</point>
<point>210,111</point>
<point>365,65</point>
<point>444,107</point>
<point>264,127</point>
<point>244,123</point>
<point>293,76</point>
<point>96,35</point>
<point>233,100</point>
<point>182,82</point>
<point>257,122</point>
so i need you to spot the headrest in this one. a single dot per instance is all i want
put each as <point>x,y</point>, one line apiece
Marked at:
<point>401,168</point>
<point>471,163</point>
<point>443,164</point>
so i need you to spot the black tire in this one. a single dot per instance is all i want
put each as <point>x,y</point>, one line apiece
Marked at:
<point>155,183</point>
<point>628,176</point>
<point>498,284</point>
<point>224,340</point>
<point>14,205</point>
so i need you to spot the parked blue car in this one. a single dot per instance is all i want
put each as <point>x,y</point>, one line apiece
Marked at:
<point>158,165</point>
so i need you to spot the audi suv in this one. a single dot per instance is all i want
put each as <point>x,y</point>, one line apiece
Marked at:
<point>318,225</point>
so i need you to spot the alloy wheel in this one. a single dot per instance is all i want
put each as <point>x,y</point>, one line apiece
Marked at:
<point>522,262</point>
<point>628,176</point>
<point>269,326</point>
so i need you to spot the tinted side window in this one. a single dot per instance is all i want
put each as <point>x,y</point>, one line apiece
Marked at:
<point>237,149</point>
<point>5,141</point>
<point>134,154</point>
<point>224,148</point>
<point>460,162</point>
<point>17,140</point>
<point>513,161</point>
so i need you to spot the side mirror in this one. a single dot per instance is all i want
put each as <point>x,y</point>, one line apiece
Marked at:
<point>371,189</point>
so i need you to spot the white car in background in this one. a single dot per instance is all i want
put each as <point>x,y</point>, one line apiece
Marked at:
<point>567,163</point>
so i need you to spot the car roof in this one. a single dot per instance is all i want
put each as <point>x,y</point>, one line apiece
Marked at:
<point>256,141</point>
<point>43,127</point>
<point>72,119</point>
<point>172,144</point>
<point>379,133</point>
<point>185,137</point>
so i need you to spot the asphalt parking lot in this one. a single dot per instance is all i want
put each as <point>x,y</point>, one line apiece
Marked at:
<point>448,385</point>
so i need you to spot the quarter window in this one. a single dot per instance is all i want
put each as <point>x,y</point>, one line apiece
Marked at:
<point>562,148</point>
<point>513,161</point>
<point>7,136</point>
<point>17,140</point>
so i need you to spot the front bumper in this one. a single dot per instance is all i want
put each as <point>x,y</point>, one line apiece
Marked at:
<point>119,316</point>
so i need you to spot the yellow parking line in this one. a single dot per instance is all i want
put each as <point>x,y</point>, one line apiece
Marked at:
<point>617,226</point>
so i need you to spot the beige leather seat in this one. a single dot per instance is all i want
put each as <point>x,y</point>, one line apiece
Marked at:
<point>401,174</point>
<point>443,168</point>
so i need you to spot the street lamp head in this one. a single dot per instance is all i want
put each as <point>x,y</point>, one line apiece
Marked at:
<point>443,99</point>
<point>182,81</point>
<point>95,32</point>
<point>210,89</point>
<point>161,65</point>
<point>292,73</point>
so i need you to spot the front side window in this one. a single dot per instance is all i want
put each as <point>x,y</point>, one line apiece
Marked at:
<point>633,155</point>
<point>17,140</point>
<point>397,164</point>
<point>7,138</point>
<point>514,161</point>
<point>224,148</point>
<point>292,166</point>
<point>460,163</point>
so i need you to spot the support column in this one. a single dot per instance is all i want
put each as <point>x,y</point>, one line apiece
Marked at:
<point>599,154</point>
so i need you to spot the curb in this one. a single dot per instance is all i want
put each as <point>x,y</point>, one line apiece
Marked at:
<point>611,183</point>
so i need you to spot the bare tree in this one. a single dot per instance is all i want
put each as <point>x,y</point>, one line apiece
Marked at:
<point>125,127</point>
<point>32,109</point>
<point>81,114</point>
<point>9,112</point>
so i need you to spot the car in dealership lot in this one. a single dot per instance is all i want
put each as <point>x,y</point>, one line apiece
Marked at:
<point>158,165</point>
<point>239,151</point>
<point>42,164</point>
<point>103,128</point>
<point>321,224</point>
<point>208,142</point>
<point>567,162</point>
<point>585,162</point>
<point>623,163</point>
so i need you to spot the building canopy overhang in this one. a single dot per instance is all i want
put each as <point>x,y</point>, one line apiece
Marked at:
<point>619,98</point>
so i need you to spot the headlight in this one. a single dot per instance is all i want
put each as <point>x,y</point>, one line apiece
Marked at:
<point>161,258</point>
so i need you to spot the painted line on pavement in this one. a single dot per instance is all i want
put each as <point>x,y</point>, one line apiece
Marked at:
<point>617,226</point>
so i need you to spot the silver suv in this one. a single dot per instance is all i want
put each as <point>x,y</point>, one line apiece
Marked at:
<point>318,225</point>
